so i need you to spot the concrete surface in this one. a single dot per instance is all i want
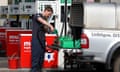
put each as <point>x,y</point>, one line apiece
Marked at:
<point>4,67</point>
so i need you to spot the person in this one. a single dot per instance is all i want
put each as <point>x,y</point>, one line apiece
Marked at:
<point>38,38</point>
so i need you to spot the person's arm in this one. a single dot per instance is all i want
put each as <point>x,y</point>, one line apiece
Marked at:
<point>45,23</point>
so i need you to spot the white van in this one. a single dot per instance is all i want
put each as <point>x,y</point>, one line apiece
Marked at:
<point>102,34</point>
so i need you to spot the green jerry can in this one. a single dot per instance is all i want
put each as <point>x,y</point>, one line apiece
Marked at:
<point>67,42</point>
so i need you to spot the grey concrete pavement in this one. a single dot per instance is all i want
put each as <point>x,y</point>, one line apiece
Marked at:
<point>3,62</point>
<point>14,70</point>
<point>4,67</point>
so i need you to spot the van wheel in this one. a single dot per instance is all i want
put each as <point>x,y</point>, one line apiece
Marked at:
<point>116,67</point>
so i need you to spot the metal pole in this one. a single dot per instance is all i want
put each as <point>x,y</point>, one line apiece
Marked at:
<point>65,17</point>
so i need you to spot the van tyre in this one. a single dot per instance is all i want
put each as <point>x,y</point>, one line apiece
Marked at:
<point>116,67</point>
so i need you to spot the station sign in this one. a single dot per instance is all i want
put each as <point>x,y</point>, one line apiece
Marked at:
<point>13,9</point>
<point>12,40</point>
<point>51,56</point>
<point>2,39</point>
<point>27,8</point>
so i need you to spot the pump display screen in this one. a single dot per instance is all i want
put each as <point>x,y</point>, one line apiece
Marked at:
<point>28,6</point>
<point>15,8</point>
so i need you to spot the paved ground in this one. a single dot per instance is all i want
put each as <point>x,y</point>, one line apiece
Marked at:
<point>4,67</point>
<point>3,62</point>
<point>13,70</point>
<point>28,70</point>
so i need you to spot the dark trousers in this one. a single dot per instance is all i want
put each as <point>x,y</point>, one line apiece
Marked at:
<point>38,50</point>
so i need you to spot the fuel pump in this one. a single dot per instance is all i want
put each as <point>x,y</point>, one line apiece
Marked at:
<point>13,11</point>
<point>27,9</point>
<point>70,43</point>
<point>3,14</point>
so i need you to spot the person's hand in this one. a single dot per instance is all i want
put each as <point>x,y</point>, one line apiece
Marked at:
<point>51,28</point>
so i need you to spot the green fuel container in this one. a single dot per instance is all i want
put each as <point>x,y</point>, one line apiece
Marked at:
<point>67,42</point>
